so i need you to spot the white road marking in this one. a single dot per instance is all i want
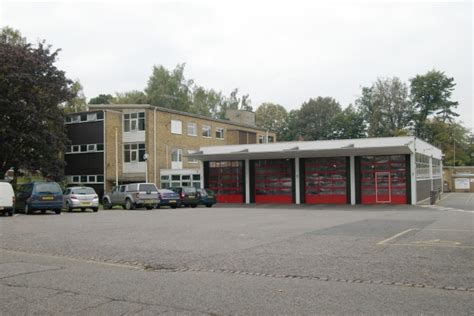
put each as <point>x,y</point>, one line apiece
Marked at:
<point>396,236</point>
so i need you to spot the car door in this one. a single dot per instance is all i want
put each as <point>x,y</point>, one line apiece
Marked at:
<point>66,196</point>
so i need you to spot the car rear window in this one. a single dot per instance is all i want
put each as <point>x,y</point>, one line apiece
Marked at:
<point>52,187</point>
<point>83,191</point>
<point>148,187</point>
<point>189,190</point>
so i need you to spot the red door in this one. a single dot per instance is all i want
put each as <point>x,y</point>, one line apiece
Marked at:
<point>226,180</point>
<point>273,181</point>
<point>325,180</point>
<point>383,179</point>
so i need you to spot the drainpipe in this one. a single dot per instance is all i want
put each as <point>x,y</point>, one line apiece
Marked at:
<point>116,156</point>
<point>154,145</point>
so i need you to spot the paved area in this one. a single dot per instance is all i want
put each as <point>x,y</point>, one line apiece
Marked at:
<point>241,260</point>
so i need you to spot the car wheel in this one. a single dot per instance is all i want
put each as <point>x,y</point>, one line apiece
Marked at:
<point>149,207</point>
<point>10,212</point>
<point>83,209</point>
<point>43,211</point>
<point>68,207</point>
<point>208,205</point>
<point>27,209</point>
<point>107,204</point>
<point>193,205</point>
<point>95,209</point>
<point>128,205</point>
<point>57,211</point>
<point>174,206</point>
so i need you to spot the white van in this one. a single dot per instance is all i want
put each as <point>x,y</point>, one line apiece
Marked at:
<point>7,198</point>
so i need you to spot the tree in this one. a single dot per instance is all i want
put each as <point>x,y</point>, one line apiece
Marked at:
<point>431,93</point>
<point>273,117</point>
<point>386,108</point>
<point>102,99</point>
<point>206,102</point>
<point>347,124</point>
<point>12,37</point>
<point>78,103</point>
<point>32,131</point>
<point>315,116</point>
<point>169,89</point>
<point>130,97</point>
<point>450,137</point>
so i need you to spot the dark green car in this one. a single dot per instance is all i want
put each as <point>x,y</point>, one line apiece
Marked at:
<point>189,195</point>
<point>207,197</point>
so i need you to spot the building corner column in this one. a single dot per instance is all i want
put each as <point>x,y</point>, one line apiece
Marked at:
<point>247,181</point>
<point>352,179</point>
<point>297,181</point>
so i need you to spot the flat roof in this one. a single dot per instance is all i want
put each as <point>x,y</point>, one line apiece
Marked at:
<point>319,148</point>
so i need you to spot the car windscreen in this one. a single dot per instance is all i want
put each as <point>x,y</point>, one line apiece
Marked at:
<point>47,188</point>
<point>148,188</point>
<point>83,191</point>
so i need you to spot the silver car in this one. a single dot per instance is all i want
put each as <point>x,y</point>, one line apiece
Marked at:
<point>80,198</point>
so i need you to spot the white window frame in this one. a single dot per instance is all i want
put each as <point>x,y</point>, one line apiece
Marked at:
<point>91,117</point>
<point>76,148</point>
<point>133,119</point>
<point>221,130</point>
<point>260,139</point>
<point>91,148</point>
<point>206,129</point>
<point>192,160</point>
<point>176,127</point>
<point>135,149</point>
<point>194,129</point>
<point>179,155</point>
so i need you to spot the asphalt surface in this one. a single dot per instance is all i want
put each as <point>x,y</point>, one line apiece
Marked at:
<point>242,260</point>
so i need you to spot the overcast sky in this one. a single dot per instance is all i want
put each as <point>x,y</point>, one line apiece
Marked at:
<point>282,52</point>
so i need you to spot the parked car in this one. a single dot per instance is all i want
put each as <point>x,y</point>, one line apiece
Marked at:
<point>207,197</point>
<point>132,195</point>
<point>80,198</point>
<point>7,198</point>
<point>39,196</point>
<point>168,198</point>
<point>189,195</point>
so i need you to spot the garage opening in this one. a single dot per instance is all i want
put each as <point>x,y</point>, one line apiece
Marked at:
<point>383,179</point>
<point>325,180</point>
<point>226,179</point>
<point>273,180</point>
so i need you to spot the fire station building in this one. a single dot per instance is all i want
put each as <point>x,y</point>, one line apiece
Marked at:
<point>392,170</point>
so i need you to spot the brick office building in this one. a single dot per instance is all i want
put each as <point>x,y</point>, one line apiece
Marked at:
<point>394,170</point>
<point>109,143</point>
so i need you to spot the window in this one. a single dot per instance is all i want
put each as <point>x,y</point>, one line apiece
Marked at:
<point>133,152</point>
<point>91,117</point>
<point>176,155</point>
<point>133,122</point>
<point>176,127</point>
<point>219,133</point>
<point>260,139</point>
<point>91,178</point>
<point>75,148</point>
<point>192,129</point>
<point>83,179</point>
<point>91,147</point>
<point>100,147</point>
<point>100,178</point>
<point>206,131</point>
<point>83,148</point>
<point>76,179</point>
<point>436,167</point>
<point>422,166</point>
<point>271,139</point>
<point>191,159</point>
<point>83,117</point>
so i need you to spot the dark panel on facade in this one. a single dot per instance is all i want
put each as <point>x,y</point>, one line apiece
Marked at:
<point>408,168</point>
<point>87,163</point>
<point>252,181</point>
<point>302,180</point>
<point>348,180</point>
<point>86,133</point>
<point>242,137</point>
<point>423,188</point>
<point>252,138</point>
<point>358,191</point>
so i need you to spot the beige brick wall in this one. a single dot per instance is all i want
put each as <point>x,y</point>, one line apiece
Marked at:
<point>113,123</point>
<point>160,151</point>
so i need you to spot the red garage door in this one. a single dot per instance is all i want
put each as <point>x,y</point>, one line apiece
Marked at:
<point>226,179</point>
<point>325,180</point>
<point>383,179</point>
<point>273,181</point>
